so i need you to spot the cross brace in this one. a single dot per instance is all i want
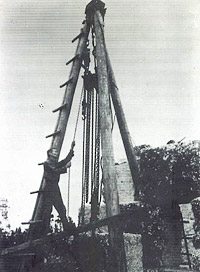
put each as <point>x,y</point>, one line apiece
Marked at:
<point>117,219</point>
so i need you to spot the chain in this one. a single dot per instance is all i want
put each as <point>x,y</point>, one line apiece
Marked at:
<point>82,213</point>
<point>97,145</point>
<point>87,146</point>
<point>96,169</point>
<point>92,140</point>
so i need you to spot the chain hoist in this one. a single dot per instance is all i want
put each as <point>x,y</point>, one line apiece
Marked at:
<point>91,138</point>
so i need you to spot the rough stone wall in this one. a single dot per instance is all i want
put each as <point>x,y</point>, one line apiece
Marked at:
<point>133,245</point>
<point>172,239</point>
<point>125,184</point>
<point>173,245</point>
<point>133,249</point>
<point>171,256</point>
<point>188,216</point>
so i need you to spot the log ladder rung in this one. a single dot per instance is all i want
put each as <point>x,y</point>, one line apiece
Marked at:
<point>37,192</point>
<point>187,237</point>
<point>60,108</point>
<point>78,36</point>
<point>32,222</point>
<point>186,221</point>
<point>53,134</point>
<point>186,254</point>
<point>74,58</point>
<point>24,255</point>
<point>66,83</point>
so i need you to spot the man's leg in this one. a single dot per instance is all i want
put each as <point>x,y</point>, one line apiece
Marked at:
<point>60,208</point>
<point>49,201</point>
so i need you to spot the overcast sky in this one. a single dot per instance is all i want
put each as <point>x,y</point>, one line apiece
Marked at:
<point>154,47</point>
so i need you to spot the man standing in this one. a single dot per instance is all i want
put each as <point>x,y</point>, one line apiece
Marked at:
<point>52,171</point>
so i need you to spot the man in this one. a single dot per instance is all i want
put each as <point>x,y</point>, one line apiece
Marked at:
<point>52,171</point>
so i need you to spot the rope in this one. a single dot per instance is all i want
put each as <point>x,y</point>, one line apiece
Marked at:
<point>79,108</point>
<point>68,191</point>
<point>73,142</point>
<point>101,186</point>
<point>82,214</point>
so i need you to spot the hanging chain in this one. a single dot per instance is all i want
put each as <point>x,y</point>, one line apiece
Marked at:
<point>92,140</point>
<point>82,211</point>
<point>97,145</point>
<point>87,145</point>
<point>95,192</point>
<point>95,188</point>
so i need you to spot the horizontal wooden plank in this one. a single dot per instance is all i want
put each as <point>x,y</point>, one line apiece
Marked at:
<point>56,236</point>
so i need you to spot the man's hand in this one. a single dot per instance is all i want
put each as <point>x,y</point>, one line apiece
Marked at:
<point>68,165</point>
<point>73,145</point>
<point>71,153</point>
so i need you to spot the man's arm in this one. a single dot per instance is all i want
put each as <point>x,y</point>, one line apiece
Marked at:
<point>62,170</point>
<point>67,159</point>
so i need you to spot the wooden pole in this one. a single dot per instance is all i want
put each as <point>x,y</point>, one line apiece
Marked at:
<point>41,210</point>
<point>117,252</point>
<point>123,127</point>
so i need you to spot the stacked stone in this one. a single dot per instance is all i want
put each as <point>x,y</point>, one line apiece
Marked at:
<point>158,224</point>
<point>196,211</point>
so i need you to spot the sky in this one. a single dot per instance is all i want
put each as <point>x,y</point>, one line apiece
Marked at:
<point>154,48</point>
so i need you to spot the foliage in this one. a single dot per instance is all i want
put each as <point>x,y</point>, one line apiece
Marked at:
<point>170,172</point>
<point>82,253</point>
<point>9,239</point>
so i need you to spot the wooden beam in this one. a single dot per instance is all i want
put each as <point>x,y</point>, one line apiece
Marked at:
<point>60,108</point>
<point>78,36</point>
<point>117,252</point>
<point>32,222</point>
<point>124,131</point>
<point>37,192</point>
<point>73,59</point>
<point>66,83</point>
<point>53,134</point>
<point>116,219</point>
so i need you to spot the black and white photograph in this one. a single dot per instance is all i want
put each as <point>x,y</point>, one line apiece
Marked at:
<point>100,136</point>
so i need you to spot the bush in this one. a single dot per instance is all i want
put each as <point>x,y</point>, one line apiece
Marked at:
<point>170,173</point>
